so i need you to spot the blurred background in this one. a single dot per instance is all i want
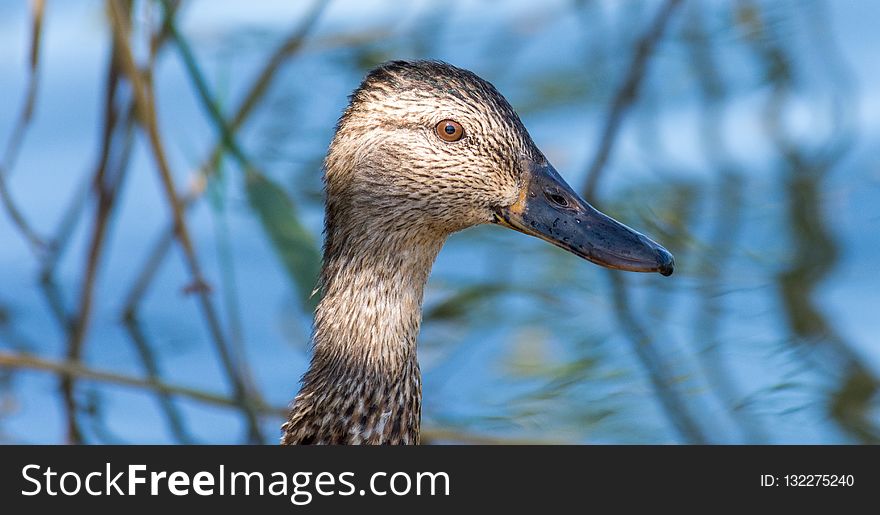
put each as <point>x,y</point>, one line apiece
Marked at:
<point>742,135</point>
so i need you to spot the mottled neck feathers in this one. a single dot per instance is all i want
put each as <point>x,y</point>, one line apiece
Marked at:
<point>364,385</point>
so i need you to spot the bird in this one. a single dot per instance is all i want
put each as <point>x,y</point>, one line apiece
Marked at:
<point>424,149</point>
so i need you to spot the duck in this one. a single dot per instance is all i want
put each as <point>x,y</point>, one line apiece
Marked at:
<point>424,149</point>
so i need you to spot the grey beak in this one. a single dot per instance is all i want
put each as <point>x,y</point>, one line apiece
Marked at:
<point>551,210</point>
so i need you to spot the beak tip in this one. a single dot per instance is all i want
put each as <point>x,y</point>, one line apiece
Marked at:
<point>666,262</point>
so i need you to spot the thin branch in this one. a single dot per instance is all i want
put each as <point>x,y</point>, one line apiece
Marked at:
<point>674,406</point>
<point>147,115</point>
<point>108,177</point>
<point>148,271</point>
<point>18,219</point>
<point>257,90</point>
<point>288,48</point>
<point>227,138</point>
<point>17,137</point>
<point>628,93</point>
<point>71,215</point>
<point>65,229</point>
<point>14,144</point>
<point>24,361</point>
<point>80,371</point>
<point>9,337</point>
<point>151,367</point>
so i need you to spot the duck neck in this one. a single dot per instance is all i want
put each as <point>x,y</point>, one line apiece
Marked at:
<point>364,385</point>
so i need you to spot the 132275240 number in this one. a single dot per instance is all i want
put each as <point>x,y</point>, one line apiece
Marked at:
<point>818,480</point>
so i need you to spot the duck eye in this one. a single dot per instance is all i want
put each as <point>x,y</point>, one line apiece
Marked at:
<point>450,130</point>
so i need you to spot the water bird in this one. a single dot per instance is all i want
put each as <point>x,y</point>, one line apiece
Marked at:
<point>424,149</point>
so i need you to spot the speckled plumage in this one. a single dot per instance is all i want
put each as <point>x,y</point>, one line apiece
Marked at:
<point>395,191</point>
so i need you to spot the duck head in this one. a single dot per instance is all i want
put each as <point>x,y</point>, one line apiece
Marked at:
<point>430,149</point>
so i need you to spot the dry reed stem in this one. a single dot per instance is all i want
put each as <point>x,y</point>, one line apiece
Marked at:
<point>144,101</point>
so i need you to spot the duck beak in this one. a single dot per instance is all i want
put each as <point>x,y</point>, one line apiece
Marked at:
<point>548,208</point>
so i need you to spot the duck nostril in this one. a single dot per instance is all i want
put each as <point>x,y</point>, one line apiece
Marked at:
<point>557,199</point>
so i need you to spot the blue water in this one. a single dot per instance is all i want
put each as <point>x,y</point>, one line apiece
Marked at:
<point>541,359</point>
